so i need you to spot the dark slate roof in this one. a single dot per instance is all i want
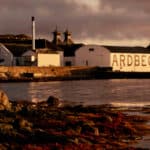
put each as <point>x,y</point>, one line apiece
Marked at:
<point>126,49</point>
<point>17,49</point>
<point>69,50</point>
<point>42,43</point>
<point>13,37</point>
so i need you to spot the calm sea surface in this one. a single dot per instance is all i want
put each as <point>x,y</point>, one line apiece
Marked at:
<point>128,92</point>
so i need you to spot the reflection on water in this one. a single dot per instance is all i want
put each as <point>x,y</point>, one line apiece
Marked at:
<point>91,92</point>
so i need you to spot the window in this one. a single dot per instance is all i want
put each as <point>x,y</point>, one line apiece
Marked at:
<point>91,49</point>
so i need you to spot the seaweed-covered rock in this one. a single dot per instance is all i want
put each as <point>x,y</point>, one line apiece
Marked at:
<point>21,123</point>
<point>106,118</point>
<point>5,127</point>
<point>4,101</point>
<point>53,101</point>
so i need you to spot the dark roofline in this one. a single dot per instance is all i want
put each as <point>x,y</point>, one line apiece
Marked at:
<point>127,49</point>
<point>69,50</point>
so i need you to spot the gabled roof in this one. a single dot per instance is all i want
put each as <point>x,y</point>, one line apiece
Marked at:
<point>5,48</point>
<point>29,52</point>
<point>127,49</point>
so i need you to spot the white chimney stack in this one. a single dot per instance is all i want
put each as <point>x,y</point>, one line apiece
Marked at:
<point>33,33</point>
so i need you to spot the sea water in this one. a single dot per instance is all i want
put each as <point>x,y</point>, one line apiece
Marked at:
<point>119,92</point>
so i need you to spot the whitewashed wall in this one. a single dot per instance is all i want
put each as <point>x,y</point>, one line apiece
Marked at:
<point>61,54</point>
<point>138,62</point>
<point>92,55</point>
<point>48,59</point>
<point>6,57</point>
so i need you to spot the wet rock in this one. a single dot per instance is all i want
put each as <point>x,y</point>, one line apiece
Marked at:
<point>106,118</point>
<point>78,130</point>
<point>96,131</point>
<point>86,128</point>
<point>3,147</point>
<point>129,128</point>
<point>2,107</point>
<point>83,140</point>
<point>17,107</point>
<point>21,123</point>
<point>76,141</point>
<point>4,101</point>
<point>5,127</point>
<point>43,136</point>
<point>53,101</point>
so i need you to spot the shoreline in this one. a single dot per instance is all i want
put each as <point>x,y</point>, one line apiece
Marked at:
<point>100,76</point>
<point>44,74</point>
<point>49,125</point>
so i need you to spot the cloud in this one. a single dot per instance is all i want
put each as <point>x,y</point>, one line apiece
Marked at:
<point>96,21</point>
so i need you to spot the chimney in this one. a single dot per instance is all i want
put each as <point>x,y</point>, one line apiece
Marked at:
<point>33,33</point>
<point>56,37</point>
<point>67,38</point>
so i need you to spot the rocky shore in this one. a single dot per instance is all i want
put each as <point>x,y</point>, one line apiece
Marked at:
<point>51,125</point>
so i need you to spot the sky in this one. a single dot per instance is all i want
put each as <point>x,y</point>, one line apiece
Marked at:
<point>102,22</point>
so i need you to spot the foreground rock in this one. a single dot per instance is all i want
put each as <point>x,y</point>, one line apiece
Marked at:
<point>4,101</point>
<point>30,126</point>
<point>53,101</point>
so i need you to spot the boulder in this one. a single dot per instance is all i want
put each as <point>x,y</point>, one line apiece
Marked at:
<point>53,101</point>
<point>4,101</point>
<point>20,123</point>
<point>5,127</point>
<point>106,119</point>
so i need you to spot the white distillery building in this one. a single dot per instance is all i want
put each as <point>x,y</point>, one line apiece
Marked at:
<point>125,59</point>
<point>92,55</point>
<point>6,57</point>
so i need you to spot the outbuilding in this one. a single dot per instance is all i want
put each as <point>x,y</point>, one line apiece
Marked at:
<point>42,58</point>
<point>47,58</point>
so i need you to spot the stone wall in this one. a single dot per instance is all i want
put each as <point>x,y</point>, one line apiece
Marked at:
<point>44,72</point>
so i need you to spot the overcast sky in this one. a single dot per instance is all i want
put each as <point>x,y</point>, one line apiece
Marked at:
<point>109,22</point>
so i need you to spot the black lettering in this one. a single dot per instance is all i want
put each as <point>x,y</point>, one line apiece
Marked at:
<point>115,62</point>
<point>122,61</point>
<point>129,60</point>
<point>136,60</point>
<point>143,60</point>
<point>149,60</point>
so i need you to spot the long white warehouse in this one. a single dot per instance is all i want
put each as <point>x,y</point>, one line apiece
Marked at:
<point>126,59</point>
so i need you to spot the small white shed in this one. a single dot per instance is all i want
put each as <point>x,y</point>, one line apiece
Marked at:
<point>51,58</point>
<point>43,58</point>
